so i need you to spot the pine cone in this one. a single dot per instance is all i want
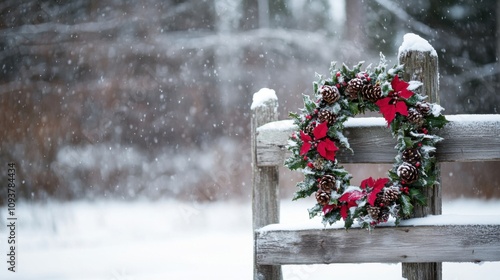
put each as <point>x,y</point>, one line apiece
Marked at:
<point>373,212</point>
<point>371,93</point>
<point>318,163</point>
<point>310,128</point>
<point>353,87</point>
<point>415,117</point>
<point>423,107</point>
<point>322,197</point>
<point>390,195</point>
<point>327,116</point>
<point>384,216</point>
<point>327,183</point>
<point>330,93</point>
<point>411,156</point>
<point>407,172</point>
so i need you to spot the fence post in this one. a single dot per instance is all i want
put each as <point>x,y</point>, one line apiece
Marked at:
<point>265,198</point>
<point>421,64</point>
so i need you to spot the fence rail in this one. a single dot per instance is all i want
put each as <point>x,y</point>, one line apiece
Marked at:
<point>416,244</point>
<point>421,248</point>
<point>466,138</point>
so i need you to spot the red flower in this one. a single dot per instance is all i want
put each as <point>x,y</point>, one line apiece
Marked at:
<point>376,186</point>
<point>329,208</point>
<point>394,103</point>
<point>350,199</point>
<point>325,147</point>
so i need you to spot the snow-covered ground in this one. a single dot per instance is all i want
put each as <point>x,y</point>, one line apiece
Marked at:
<point>116,240</point>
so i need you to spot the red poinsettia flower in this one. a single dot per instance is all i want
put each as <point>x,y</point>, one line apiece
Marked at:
<point>394,103</point>
<point>350,200</point>
<point>325,147</point>
<point>375,185</point>
<point>329,208</point>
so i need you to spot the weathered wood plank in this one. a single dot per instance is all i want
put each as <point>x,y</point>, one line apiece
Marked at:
<point>421,64</point>
<point>467,138</point>
<point>418,244</point>
<point>265,198</point>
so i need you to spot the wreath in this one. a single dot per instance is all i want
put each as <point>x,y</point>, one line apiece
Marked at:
<point>319,135</point>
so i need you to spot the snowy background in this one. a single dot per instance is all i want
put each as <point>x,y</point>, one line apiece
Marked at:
<point>129,122</point>
<point>115,240</point>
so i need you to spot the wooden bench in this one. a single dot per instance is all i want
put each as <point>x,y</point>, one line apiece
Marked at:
<point>421,247</point>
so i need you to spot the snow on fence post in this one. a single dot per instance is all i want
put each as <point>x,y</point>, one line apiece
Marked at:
<point>265,199</point>
<point>421,64</point>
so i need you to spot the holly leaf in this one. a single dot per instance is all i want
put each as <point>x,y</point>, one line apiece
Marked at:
<point>315,86</point>
<point>413,99</point>
<point>354,108</point>
<point>348,221</point>
<point>408,143</point>
<point>345,70</point>
<point>309,104</point>
<point>315,211</point>
<point>437,122</point>
<point>301,194</point>
<point>393,176</point>
<point>406,206</point>
<point>331,217</point>
<point>418,197</point>
<point>294,115</point>
<point>295,163</point>
<point>357,68</point>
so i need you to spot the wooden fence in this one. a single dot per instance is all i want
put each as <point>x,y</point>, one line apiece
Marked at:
<point>422,248</point>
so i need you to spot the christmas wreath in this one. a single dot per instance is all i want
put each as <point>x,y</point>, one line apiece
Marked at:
<point>319,135</point>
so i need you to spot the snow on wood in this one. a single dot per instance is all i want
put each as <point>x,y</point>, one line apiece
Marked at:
<point>261,97</point>
<point>431,220</point>
<point>414,85</point>
<point>413,42</point>
<point>283,125</point>
<point>287,125</point>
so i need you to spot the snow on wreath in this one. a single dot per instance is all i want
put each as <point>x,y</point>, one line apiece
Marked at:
<point>318,137</point>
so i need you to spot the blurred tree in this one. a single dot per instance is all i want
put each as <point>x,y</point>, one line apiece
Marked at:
<point>264,14</point>
<point>120,98</point>
<point>464,33</point>
<point>151,78</point>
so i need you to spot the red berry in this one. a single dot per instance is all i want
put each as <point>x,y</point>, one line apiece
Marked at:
<point>337,85</point>
<point>381,204</point>
<point>305,158</point>
<point>308,117</point>
<point>337,74</point>
<point>417,164</point>
<point>420,144</point>
<point>310,165</point>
